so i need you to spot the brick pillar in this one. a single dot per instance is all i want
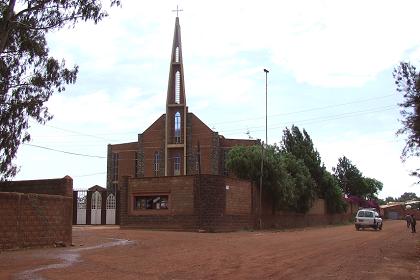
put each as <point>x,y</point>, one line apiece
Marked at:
<point>104,196</point>
<point>89,207</point>
<point>117,208</point>
<point>75,207</point>
<point>67,183</point>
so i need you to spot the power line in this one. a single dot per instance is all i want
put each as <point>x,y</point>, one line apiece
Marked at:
<point>65,152</point>
<point>91,174</point>
<point>234,121</point>
<point>304,121</point>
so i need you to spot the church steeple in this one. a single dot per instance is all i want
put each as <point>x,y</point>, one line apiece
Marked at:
<point>176,89</point>
<point>176,111</point>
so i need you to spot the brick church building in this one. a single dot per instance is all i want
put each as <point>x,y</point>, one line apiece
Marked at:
<point>177,143</point>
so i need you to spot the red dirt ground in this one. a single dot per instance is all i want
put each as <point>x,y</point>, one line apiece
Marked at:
<point>334,252</point>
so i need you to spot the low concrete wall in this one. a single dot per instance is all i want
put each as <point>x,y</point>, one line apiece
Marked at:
<point>28,220</point>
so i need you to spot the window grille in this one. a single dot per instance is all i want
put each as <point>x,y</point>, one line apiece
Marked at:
<point>156,161</point>
<point>177,54</point>
<point>115,157</point>
<point>111,202</point>
<point>177,87</point>
<point>177,164</point>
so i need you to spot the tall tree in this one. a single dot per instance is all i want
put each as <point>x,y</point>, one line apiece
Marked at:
<point>352,182</point>
<point>28,75</point>
<point>326,186</point>
<point>373,187</point>
<point>407,196</point>
<point>287,181</point>
<point>407,80</point>
<point>301,146</point>
<point>349,177</point>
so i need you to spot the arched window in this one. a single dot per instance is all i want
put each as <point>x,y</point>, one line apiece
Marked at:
<point>177,164</point>
<point>177,127</point>
<point>177,54</point>
<point>177,87</point>
<point>156,161</point>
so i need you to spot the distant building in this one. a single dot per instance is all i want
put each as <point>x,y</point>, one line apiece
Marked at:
<point>169,147</point>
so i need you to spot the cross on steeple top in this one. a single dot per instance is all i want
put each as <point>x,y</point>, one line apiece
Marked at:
<point>177,10</point>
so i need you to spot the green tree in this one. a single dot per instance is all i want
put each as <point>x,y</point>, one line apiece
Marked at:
<point>373,187</point>
<point>407,196</point>
<point>350,179</point>
<point>304,192</point>
<point>301,146</point>
<point>28,75</point>
<point>286,181</point>
<point>407,80</point>
<point>389,199</point>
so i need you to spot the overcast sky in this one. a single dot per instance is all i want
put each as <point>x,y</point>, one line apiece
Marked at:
<point>330,68</point>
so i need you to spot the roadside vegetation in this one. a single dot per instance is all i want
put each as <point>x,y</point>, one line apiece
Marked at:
<point>294,175</point>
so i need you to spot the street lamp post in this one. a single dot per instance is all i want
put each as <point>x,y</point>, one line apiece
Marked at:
<point>266,137</point>
<point>262,150</point>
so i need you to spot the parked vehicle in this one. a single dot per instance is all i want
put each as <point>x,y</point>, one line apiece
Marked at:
<point>368,217</point>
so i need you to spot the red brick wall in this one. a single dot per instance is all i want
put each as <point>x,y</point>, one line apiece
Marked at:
<point>126,158</point>
<point>35,212</point>
<point>181,214</point>
<point>34,220</point>
<point>202,133</point>
<point>238,197</point>
<point>217,213</point>
<point>63,186</point>
<point>154,141</point>
<point>294,220</point>
<point>401,210</point>
<point>194,203</point>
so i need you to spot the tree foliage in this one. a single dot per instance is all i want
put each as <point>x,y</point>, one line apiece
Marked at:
<point>28,75</point>
<point>326,186</point>
<point>353,183</point>
<point>286,181</point>
<point>407,81</point>
<point>301,146</point>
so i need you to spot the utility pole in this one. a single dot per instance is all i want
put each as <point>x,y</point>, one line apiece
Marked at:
<point>262,151</point>
<point>261,181</point>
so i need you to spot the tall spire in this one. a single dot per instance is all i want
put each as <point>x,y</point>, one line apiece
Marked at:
<point>176,111</point>
<point>176,89</point>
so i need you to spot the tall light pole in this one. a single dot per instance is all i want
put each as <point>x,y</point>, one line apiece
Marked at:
<point>266,137</point>
<point>262,150</point>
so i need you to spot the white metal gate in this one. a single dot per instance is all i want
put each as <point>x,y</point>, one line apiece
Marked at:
<point>95,216</point>
<point>110,209</point>
<point>81,207</point>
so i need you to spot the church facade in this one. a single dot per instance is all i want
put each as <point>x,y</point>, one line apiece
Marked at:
<point>177,143</point>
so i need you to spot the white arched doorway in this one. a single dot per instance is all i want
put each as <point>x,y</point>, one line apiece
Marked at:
<point>95,218</point>
<point>111,204</point>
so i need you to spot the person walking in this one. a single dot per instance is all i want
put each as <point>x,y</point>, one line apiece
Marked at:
<point>413,224</point>
<point>408,220</point>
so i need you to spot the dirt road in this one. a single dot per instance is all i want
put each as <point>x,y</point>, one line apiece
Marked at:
<point>338,252</point>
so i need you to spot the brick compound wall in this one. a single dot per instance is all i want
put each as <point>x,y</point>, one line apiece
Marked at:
<point>212,203</point>
<point>207,202</point>
<point>29,217</point>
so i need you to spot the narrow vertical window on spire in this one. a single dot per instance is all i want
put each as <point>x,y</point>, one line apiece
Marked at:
<point>177,87</point>
<point>177,164</point>
<point>177,127</point>
<point>156,161</point>
<point>177,54</point>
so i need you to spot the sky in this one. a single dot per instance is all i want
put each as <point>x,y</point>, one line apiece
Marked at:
<point>330,66</point>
